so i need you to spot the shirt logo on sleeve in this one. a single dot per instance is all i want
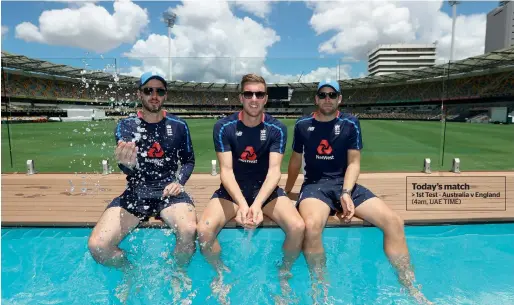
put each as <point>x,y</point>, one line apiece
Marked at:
<point>248,155</point>
<point>324,151</point>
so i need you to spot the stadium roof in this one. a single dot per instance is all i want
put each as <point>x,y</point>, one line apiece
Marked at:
<point>31,65</point>
<point>497,60</point>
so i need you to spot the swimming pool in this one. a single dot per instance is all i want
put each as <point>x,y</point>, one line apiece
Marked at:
<point>466,264</point>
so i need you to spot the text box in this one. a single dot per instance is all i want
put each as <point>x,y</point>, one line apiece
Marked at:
<point>459,193</point>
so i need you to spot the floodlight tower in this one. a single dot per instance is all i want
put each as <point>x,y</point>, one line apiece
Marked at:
<point>169,19</point>
<point>453,4</point>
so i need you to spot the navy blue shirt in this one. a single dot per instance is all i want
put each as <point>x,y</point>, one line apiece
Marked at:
<point>250,146</point>
<point>325,145</point>
<point>162,148</point>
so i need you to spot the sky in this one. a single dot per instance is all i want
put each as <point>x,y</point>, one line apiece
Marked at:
<point>219,40</point>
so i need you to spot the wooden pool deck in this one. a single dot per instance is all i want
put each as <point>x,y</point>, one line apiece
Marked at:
<point>77,200</point>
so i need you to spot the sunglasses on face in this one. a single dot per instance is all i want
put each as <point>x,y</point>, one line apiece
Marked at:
<point>249,94</point>
<point>332,95</point>
<point>149,91</point>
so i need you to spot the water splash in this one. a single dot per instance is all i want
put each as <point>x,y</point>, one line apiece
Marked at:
<point>72,187</point>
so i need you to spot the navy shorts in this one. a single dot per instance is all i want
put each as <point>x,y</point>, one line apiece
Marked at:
<point>144,208</point>
<point>249,192</point>
<point>329,191</point>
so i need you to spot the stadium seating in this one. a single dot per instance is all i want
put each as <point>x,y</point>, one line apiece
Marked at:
<point>32,94</point>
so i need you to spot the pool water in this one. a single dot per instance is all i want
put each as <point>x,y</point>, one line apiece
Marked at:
<point>467,264</point>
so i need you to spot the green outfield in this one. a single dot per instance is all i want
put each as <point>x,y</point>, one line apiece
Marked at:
<point>388,146</point>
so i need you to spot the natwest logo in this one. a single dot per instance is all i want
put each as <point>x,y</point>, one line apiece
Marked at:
<point>248,155</point>
<point>324,151</point>
<point>156,151</point>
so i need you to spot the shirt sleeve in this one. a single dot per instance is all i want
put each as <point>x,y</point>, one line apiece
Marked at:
<point>278,138</point>
<point>187,156</point>
<point>123,133</point>
<point>297,139</point>
<point>355,139</point>
<point>220,137</point>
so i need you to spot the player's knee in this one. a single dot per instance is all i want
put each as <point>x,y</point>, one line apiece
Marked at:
<point>188,231</point>
<point>394,225</point>
<point>98,247</point>
<point>296,228</point>
<point>206,231</point>
<point>313,228</point>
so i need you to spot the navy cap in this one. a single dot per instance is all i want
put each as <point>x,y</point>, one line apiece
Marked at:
<point>151,75</point>
<point>332,84</point>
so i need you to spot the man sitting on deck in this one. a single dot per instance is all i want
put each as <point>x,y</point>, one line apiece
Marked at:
<point>331,143</point>
<point>250,145</point>
<point>149,149</point>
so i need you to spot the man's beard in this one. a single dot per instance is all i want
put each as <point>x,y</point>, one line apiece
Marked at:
<point>327,112</point>
<point>147,106</point>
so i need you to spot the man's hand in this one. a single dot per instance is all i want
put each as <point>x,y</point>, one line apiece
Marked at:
<point>348,207</point>
<point>126,153</point>
<point>242,215</point>
<point>255,216</point>
<point>172,189</point>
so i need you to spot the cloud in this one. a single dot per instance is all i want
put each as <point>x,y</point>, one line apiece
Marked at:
<point>209,44</point>
<point>5,30</point>
<point>358,27</point>
<point>258,8</point>
<point>87,26</point>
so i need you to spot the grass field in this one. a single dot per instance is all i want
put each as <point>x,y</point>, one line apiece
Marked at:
<point>388,146</point>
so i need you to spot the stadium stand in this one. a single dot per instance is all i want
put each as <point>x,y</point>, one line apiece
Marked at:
<point>467,88</point>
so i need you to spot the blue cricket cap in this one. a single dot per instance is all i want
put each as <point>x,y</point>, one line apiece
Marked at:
<point>332,84</point>
<point>151,75</point>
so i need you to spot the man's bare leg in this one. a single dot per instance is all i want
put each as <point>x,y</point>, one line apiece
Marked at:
<point>181,218</point>
<point>217,213</point>
<point>114,225</point>
<point>376,212</point>
<point>282,211</point>
<point>315,214</point>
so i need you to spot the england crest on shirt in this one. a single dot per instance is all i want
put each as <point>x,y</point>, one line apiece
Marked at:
<point>263,134</point>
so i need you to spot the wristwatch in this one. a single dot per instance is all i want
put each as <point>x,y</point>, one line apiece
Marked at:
<point>346,191</point>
